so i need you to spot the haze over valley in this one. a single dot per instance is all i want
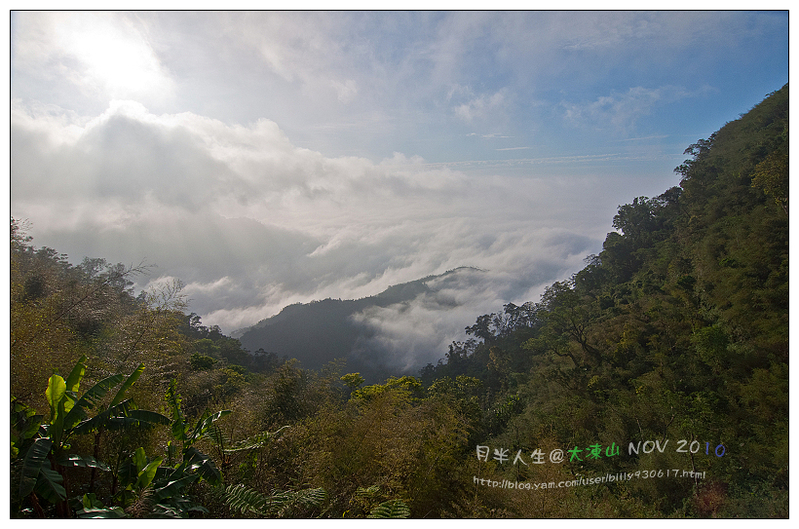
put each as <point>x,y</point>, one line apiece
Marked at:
<point>272,158</point>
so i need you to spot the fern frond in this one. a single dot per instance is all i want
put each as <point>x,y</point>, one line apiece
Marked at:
<point>367,493</point>
<point>256,441</point>
<point>244,500</point>
<point>391,509</point>
<point>283,503</point>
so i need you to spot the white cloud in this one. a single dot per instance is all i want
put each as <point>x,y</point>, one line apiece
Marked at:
<point>484,106</point>
<point>622,110</point>
<point>346,91</point>
<point>310,51</point>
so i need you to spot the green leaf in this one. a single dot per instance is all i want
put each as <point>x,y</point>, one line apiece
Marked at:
<point>171,452</point>
<point>134,419</point>
<point>132,378</point>
<point>148,473</point>
<point>31,466</point>
<point>102,513</point>
<point>367,493</point>
<point>174,487</point>
<point>282,503</point>
<point>74,378</point>
<point>74,460</point>
<point>90,501</point>
<point>122,416</point>
<point>104,419</point>
<point>94,508</point>
<point>56,387</point>
<point>204,423</point>
<point>214,433</point>
<point>30,428</point>
<point>203,465</point>
<point>90,399</point>
<point>48,484</point>
<point>99,390</point>
<point>244,500</point>
<point>139,459</point>
<point>179,426</point>
<point>146,418</point>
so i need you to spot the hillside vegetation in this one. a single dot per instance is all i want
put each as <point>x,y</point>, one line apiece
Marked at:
<point>662,364</point>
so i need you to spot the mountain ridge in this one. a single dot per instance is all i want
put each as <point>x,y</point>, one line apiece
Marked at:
<point>321,331</point>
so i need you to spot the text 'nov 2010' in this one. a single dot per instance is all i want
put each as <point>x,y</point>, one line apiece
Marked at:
<point>594,452</point>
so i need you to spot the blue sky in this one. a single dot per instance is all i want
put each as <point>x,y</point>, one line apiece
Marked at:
<point>268,158</point>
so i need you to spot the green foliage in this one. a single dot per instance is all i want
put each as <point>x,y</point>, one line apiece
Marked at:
<point>36,466</point>
<point>92,507</point>
<point>46,463</point>
<point>280,504</point>
<point>353,380</point>
<point>408,386</point>
<point>193,459</point>
<point>771,175</point>
<point>676,330</point>
<point>390,509</point>
<point>201,362</point>
<point>152,490</point>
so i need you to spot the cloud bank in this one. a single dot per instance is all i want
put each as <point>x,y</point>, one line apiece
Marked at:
<point>268,158</point>
<point>250,222</point>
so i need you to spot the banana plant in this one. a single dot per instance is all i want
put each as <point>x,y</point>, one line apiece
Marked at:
<point>43,470</point>
<point>153,489</point>
<point>227,450</point>
<point>149,490</point>
<point>137,491</point>
<point>192,459</point>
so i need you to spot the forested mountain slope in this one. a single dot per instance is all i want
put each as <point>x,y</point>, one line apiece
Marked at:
<point>320,332</point>
<point>652,383</point>
<point>677,330</point>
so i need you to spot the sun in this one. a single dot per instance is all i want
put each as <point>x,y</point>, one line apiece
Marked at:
<point>110,54</point>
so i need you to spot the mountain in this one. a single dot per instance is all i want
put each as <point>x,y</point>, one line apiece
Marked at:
<point>319,332</point>
<point>678,330</point>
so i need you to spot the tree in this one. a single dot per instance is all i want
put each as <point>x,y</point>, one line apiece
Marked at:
<point>771,175</point>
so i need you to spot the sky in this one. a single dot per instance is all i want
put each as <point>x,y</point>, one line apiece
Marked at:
<point>269,158</point>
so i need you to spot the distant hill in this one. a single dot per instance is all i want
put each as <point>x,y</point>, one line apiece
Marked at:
<point>319,332</point>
